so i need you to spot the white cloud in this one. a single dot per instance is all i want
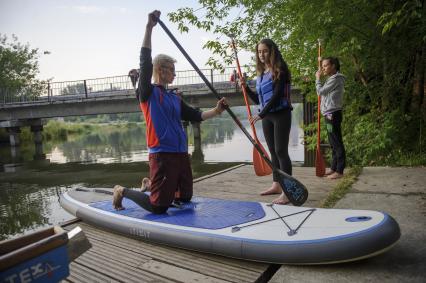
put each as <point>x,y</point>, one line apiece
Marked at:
<point>89,9</point>
<point>122,10</point>
<point>97,10</point>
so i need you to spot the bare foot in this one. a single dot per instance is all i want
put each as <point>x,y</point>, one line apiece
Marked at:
<point>335,176</point>
<point>118,197</point>
<point>329,172</point>
<point>282,199</point>
<point>273,190</point>
<point>146,184</point>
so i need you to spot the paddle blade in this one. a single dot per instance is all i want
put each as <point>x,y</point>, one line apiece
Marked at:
<point>319,164</point>
<point>261,168</point>
<point>294,190</point>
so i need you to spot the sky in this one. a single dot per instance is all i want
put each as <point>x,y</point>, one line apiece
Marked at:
<point>98,38</point>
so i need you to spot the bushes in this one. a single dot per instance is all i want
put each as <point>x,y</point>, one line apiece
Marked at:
<point>387,138</point>
<point>369,139</point>
<point>378,138</point>
<point>55,130</point>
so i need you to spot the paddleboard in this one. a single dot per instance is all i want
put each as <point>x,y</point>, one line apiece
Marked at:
<point>253,231</point>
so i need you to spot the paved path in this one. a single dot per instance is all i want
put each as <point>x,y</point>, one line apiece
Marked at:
<point>401,192</point>
<point>241,183</point>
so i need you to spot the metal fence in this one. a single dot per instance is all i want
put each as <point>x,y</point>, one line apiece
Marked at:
<point>187,81</point>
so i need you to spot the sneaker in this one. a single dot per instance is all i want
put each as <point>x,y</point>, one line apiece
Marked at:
<point>118,197</point>
<point>328,173</point>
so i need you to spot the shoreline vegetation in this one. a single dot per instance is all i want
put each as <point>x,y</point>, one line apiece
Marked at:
<point>58,131</point>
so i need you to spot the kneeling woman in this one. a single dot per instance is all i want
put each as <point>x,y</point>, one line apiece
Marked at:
<point>163,110</point>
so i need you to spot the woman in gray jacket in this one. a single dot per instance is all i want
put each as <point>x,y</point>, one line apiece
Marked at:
<point>331,93</point>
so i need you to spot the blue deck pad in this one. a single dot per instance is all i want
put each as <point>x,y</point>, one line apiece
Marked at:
<point>206,213</point>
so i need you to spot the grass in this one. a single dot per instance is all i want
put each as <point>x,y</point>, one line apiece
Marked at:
<point>342,187</point>
<point>415,158</point>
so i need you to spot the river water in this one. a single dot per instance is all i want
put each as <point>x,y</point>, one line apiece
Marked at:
<point>29,188</point>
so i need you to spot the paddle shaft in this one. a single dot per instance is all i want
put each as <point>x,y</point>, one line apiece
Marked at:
<point>319,103</point>
<point>209,85</point>
<point>319,160</point>
<point>243,87</point>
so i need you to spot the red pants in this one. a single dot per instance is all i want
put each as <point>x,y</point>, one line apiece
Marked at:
<point>171,178</point>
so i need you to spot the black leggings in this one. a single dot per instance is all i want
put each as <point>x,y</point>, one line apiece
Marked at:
<point>276,128</point>
<point>142,199</point>
<point>333,123</point>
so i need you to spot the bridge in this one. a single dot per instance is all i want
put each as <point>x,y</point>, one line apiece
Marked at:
<point>107,96</point>
<point>114,95</point>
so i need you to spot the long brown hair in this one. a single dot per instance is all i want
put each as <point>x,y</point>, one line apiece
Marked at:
<point>279,66</point>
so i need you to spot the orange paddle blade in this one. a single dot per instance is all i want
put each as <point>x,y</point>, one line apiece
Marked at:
<point>319,164</point>
<point>261,168</point>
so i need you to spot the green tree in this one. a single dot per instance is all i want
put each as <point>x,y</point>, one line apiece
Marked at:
<point>381,45</point>
<point>18,69</point>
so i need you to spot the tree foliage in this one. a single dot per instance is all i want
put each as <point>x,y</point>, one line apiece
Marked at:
<point>18,68</point>
<point>381,45</point>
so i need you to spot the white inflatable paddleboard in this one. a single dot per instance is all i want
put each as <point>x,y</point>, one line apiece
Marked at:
<point>248,230</point>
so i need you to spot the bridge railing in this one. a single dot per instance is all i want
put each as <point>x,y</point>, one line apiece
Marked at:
<point>187,81</point>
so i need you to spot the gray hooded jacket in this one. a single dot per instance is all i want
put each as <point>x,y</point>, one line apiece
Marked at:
<point>331,93</point>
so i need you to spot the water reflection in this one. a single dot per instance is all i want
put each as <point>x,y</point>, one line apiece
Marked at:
<point>29,198</point>
<point>27,207</point>
<point>120,145</point>
<point>221,140</point>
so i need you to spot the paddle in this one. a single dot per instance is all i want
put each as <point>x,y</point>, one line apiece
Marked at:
<point>261,168</point>
<point>295,191</point>
<point>319,159</point>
